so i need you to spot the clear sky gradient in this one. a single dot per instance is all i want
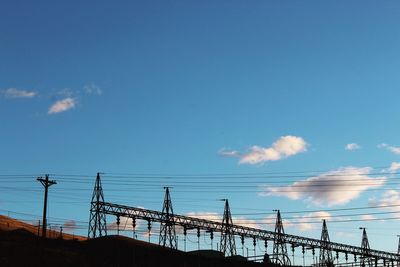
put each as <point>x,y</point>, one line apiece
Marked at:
<point>194,88</point>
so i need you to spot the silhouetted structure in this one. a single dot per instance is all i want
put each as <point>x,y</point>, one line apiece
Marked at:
<point>325,253</point>
<point>365,259</point>
<point>227,245</point>
<point>46,184</point>
<point>100,209</point>
<point>97,220</point>
<point>167,226</point>
<point>398,251</point>
<point>280,255</point>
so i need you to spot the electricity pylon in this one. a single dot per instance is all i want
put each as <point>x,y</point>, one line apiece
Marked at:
<point>325,253</point>
<point>365,258</point>
<point>227,244</point>
<point>167,226</point>
<point>280,255</point>
<point>97,220</point>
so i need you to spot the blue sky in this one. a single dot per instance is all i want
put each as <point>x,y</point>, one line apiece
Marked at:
<point>169,87</point>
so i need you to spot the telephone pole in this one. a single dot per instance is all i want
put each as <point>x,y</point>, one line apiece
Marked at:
<point>46,184</point>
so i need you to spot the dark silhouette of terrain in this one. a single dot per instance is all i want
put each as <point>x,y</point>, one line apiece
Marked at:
<point>21,247</point>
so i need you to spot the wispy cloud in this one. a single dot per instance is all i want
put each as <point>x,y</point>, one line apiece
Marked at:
<point>307,222</point>
<point>62,105</point>
<point>211,216</point>
<point>282,148</point>
<point>367,217</point>
<point>92,89</point>
<point>352,146</point>
<point>17,93</point>
<point>125,224</point>
<point>394,167</point>
<point>228,153</point>
<point>70,225</point>
<point>329,189</point>
<point>393,149</point>
<point>389,200</point>
<point>301,223</point>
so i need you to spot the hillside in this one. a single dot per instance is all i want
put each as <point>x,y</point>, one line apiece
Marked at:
<point>21,247</point>
<point>9,224</point>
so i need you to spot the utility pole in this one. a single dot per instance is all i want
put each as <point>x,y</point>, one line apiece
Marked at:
<point>46,184</point>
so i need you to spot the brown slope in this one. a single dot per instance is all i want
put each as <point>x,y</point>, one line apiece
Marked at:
<point>10,224</point>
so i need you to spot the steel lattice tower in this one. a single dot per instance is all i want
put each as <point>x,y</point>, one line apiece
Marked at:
<point>280,255</point>
<point>398,250</point>
<point>97,220</point>
<point>227,245</point>
<point>325,253</point>
<point>365,258</point>
<point>167,227</point>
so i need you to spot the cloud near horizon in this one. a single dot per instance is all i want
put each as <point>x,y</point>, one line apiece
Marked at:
<point>329,189</point>
<point>17,93</point>
<point>62,105</point>
<point>282,148</point>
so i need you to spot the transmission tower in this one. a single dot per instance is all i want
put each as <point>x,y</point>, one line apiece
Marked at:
<point>227,245</point>
<point>398,251</point>
<point>325,253</point>
<point>97,220</point>
<point>365,258</point>
<point>167,226</point>
<point>280,255</point>
<point>46,184</point>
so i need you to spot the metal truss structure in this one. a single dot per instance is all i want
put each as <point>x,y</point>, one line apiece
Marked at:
<point>167,226</point>
<point>325,253</point>
<point>227,244</point>
<point>280,255</point>
<point>97,220</point>
<point>242,231</point>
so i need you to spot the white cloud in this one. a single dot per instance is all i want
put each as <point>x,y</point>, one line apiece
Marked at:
<point>352,146</point>
<point>346,235</point>
<point>390,198</point>
<point>284,147</point>
<point>125,224</point>
<point>329,189</point>
<point>367,217</point>
<point>62,105</point>
<point>394,167</point>
<point>211,216</point>
<point>306,222</point>
<point>70,225</point>
<point>228,153</point>
<point>245,222</point>
<point>393,149</point>
<point>16,93</point>
<point>92,89</point>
